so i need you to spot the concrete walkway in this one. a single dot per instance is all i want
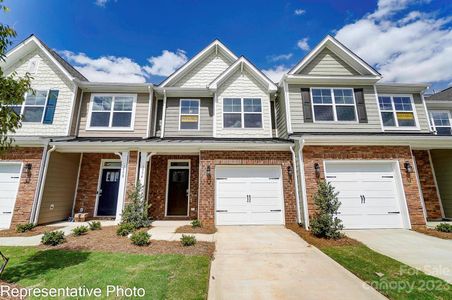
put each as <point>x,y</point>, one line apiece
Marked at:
<point>426,253</point>
<point>272,262</point>
<point>166,230</point>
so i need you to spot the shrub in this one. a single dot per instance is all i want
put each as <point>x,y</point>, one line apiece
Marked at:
<point>196,223</point>
<point>80,230</point>
<point>188,240</point>
<point>21,228</point>
<point>140,238</point>
<point>53,238</point>
<point>136,211</point>
<point>125,229</point>
<point>95,225</point>
<point>444,227</point>
<point>325,224</point>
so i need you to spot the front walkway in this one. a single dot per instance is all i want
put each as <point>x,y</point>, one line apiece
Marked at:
<point>429,254</point>
<point>272,262</point>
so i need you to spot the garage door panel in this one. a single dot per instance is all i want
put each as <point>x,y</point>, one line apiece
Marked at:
<point>258,218</point>
<point>9,184</point>
<point>231,218</point>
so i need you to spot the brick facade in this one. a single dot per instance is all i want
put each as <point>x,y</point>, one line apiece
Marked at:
<point>427,180</point>
<point>28,181</point>
<point>214,158</point>
<point>158,185</point>
<point>317,154</point>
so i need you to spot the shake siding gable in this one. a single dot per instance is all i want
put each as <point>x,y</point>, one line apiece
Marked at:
<point>328,64</point>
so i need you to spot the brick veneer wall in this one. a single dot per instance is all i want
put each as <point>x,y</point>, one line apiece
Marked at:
<point>214,158</point>
<point>132,172</point>
<point>158,182</point>
<point>427,180</point>
<point>28,182</point>
<point>317,154</point>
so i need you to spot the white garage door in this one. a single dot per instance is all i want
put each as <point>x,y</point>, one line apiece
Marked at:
<point>250,195</point>
<point>9,185</point>
<point>369,194</point>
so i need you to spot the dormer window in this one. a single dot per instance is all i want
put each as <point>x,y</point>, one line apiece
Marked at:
<point>397,112</point>
<point>333,105</point>
<point>111,112</point>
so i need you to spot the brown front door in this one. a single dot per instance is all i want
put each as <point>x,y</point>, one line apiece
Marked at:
<point>178,192</point>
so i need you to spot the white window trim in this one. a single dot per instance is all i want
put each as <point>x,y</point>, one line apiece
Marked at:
<point>169,167</point>
<point>110,128</point>
<point>22,106</point>
<point>242,114</point>
<point>440,111</point>
<point>199,113</point>
<point>397,127</point>
<point>333,104</point>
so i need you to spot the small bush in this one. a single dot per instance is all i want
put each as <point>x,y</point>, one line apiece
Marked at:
<point>140,238</point>
<point>196,223</point>
<point>21,228</point>
<point>95,225</point>
<point>53,238</point>
<point>80,230</point>
<point>188,240</point>
<point>136,211</point>
<point>125,229</point>
<point>444,227</point>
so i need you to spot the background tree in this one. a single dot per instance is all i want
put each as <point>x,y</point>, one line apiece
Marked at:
<point>12,89</point>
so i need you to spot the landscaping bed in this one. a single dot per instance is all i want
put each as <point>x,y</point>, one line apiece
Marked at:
<point>191,229</point>
<point>433,232</point>
<point>35,231</point>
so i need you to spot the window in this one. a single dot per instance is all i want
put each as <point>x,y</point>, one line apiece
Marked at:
<point>332,105</point>
<point>189,114</point>
<point>397,111</point>
<point>112,111</point>
<point>32,109</point>
<point>242,113</point>
<point>441,121</point>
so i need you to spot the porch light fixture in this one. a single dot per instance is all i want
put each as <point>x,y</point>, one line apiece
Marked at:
<point>408,167</point>
<point>208,173</point>
<point>28,171</point>
<point>317,170</point>
<point>289,171</point>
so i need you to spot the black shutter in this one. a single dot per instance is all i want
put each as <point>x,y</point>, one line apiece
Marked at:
<point>50,107</point>
<point>307,106</point>
<point>360,105</point>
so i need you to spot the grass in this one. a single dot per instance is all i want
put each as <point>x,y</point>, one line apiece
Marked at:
<point>166,276</point>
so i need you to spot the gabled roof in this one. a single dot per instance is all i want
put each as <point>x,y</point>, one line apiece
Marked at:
<point>444,95</point>
<point>340,50</point>
<point>242,62</point>
<point>29,44</point>
<point>216,45</point>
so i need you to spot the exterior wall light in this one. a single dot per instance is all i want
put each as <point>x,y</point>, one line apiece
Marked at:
<point>408,167</point>
<point>27,168</point>
<point>208,171</point>
<point>317,170</point>
<point>289,171</point>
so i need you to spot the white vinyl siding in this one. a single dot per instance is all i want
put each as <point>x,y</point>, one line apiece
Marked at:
<point>328,64</point>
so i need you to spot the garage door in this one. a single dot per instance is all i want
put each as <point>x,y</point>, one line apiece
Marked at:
<point>249,195</point>
<point>9,185</point>
<point>368,193</point>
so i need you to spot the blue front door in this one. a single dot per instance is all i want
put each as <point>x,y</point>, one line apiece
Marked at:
<point>108,193</point>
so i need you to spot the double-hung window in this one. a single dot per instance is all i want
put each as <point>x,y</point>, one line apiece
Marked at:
<point>397,111</point>
<point>112,111</point>
<point>441,121</point>
<point>330,105</point>
<point>242,113</point>
<point>32,109</point>
<point>189,114</point>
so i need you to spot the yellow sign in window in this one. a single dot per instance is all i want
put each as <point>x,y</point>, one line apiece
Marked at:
<point>405,116</point>
<point>189,119</point>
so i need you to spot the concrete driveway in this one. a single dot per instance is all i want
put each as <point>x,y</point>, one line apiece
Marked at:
<point>426,253</point>
<point>272,262</point>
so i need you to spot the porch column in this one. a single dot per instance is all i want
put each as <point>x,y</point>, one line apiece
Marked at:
<point>122,184</point>
<point>143,172</point>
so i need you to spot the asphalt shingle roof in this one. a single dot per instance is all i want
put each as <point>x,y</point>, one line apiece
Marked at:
<point>445,95</point>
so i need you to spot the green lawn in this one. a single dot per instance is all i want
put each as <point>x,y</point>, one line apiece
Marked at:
<point>168,276</point>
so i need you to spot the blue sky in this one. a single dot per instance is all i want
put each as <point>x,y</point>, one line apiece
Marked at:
<point>407,40</point>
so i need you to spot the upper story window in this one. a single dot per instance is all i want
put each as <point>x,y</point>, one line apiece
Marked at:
<point>112,112</point>
<point>242,113</point>
<point>38,106</point>
<point>441,121</point>
<point>397,111</point>
<point>189,114</point>
<point>331,105</point>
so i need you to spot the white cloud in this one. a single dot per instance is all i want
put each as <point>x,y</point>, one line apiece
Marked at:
<point>166,63</point>
<point>299,12</point>
<point>101,3</point>
<point>276,72</point>
<point>415,47</point>
<point>280,57</point>
<point>303,44</point>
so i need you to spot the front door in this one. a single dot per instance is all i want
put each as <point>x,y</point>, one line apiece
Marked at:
<point>178,190</point>
<point>108,193</point>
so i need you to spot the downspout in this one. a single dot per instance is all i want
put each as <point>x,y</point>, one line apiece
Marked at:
<point>150,109</point>
<point>303,187</point>
<point>148,177</point>
<point>41,184</point>
<point>297,197</point>
<point>38,186</point>
<point>162,128</point>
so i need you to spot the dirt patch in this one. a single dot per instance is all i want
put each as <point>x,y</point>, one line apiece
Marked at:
<point>35,231</point>
<point>106,240</point>
<point>319,242</point>
<point>190,229</point>
<point>434,232</point>
<point>12,286</point>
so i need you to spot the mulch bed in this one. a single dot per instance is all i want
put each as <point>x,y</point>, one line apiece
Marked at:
<point>35,231</point>
<point>434,232</point>
<point>190,229</point>
<point>106,240</point>
<point>320,242</point>
<point>12,286</point>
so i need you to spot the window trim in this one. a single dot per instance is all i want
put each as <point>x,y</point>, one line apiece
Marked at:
<point>333,104</point>
<point>22,105</point>
<point>397,127</point>
<point>440,111</point>
<point>199,113</point>
<point>242,114</point>
<point>109,127</point>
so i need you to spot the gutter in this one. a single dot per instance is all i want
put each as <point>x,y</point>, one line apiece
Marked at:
<point>297,196</point>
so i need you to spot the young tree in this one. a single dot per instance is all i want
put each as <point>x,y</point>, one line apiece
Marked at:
<point>12,89</point>
<point>136,211</point>
<point>325,222</point>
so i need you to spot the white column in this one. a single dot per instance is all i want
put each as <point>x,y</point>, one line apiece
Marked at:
<point>143,172</point>
<point>122,185</point>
